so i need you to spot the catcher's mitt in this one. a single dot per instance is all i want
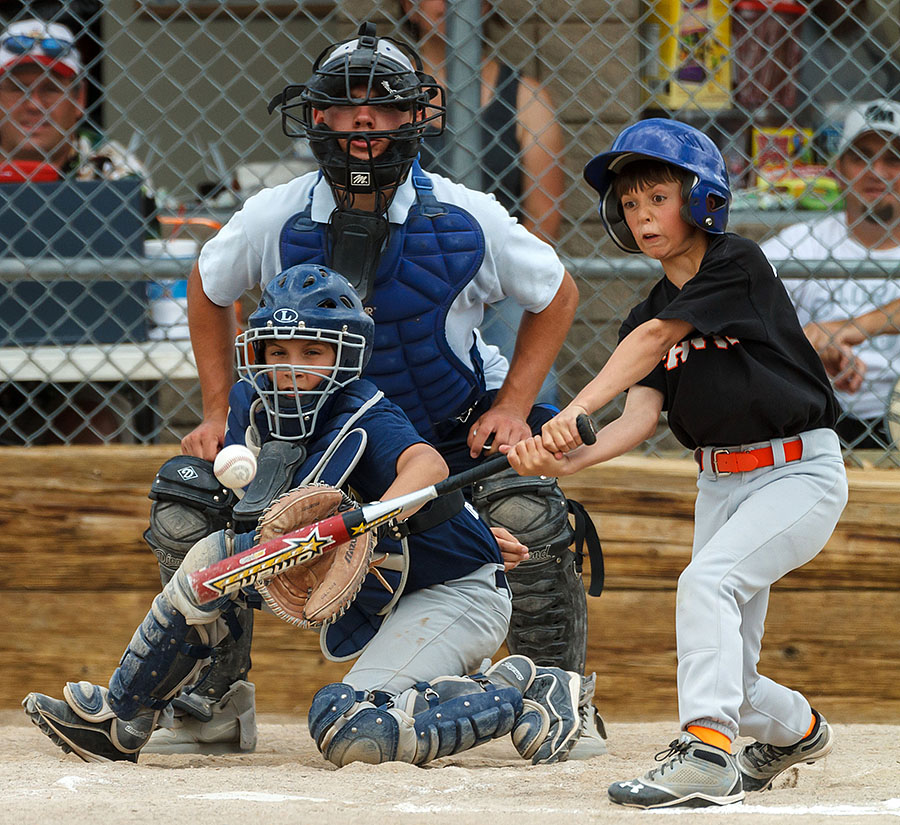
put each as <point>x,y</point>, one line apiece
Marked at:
<point>317,591</point>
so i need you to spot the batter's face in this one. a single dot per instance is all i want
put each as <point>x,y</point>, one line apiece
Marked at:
<point>38,113</point>
<point>309,354</point>
<point>363,118</point>
<point>653,214</point>
<point>871,171</point>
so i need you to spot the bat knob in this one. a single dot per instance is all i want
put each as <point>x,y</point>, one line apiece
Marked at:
<point>586,430</point>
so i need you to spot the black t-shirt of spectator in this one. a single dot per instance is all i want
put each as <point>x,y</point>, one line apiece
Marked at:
<point>746,373</point>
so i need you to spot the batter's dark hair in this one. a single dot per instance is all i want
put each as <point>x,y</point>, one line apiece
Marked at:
<point>645,172</point>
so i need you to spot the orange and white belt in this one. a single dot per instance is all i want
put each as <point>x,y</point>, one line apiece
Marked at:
<point>725,462</point>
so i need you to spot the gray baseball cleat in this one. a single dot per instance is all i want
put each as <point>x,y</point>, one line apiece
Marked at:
<point>760,763</point>
<point>209,726</point>
<point>692,775</point>
<point>84,724</point>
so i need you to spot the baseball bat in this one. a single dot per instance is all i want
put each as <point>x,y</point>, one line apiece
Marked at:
<point>266,560</point>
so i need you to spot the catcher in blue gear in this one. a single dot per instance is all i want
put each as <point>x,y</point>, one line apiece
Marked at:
<point>419,629</point>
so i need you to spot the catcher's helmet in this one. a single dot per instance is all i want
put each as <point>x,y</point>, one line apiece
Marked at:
<point>371,70</point>
<point>707,195</point>
<point>307,303</point>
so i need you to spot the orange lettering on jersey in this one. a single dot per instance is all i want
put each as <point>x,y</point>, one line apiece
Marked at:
<point>678,354</point>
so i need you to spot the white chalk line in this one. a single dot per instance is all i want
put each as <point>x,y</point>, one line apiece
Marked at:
<point>256,796</point>
<point>891,807</point>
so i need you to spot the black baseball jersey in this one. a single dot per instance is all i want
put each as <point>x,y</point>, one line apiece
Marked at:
<point>746,373</point>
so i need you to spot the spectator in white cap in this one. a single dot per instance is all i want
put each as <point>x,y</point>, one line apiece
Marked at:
<point>42,102</point>
<point>42,139</point>
<point>853,322</point>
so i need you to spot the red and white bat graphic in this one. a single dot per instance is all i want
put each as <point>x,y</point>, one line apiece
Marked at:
<point>271,557</point>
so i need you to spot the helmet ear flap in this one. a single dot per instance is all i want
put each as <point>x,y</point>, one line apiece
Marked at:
<point>614,220</point>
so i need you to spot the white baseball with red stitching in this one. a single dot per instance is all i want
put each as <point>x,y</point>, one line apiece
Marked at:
<point>235,466</point>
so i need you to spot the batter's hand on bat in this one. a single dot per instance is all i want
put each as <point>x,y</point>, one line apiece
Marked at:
<point>560,434</point>
<point>511,549</point>
<point>531,458</point>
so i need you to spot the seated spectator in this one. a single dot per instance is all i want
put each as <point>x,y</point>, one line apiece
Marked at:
<point>844,318</point>
<point>42,100</point>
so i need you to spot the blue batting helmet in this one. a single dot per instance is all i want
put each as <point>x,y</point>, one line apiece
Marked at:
<point>707,195</point>
<point>306,303</point>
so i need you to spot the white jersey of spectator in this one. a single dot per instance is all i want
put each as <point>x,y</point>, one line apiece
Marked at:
<point>516,263</point>
<point>829,299</point>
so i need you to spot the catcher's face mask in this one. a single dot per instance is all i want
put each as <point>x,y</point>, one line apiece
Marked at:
<point>295,369</point>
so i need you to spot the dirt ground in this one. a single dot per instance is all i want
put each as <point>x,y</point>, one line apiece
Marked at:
<point>287,782</point>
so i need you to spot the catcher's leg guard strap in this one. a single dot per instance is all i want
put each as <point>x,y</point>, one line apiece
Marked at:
<point>230,663</point>
<point>549,618</point>
<point>447,716</point>
<point>164,654</point>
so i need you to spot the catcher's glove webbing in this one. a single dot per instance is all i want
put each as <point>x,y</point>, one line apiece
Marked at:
<point>320,590</point>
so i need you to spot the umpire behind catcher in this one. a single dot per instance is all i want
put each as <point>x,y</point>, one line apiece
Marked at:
<point>425,254</point>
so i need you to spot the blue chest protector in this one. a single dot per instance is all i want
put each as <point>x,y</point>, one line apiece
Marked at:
<point>427,262</point>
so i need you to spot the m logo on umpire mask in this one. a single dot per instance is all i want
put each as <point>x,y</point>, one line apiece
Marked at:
<point>361,179</point>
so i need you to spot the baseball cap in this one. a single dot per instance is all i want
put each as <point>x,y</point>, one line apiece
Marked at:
<point>881,116</point>
<point>37,41</point>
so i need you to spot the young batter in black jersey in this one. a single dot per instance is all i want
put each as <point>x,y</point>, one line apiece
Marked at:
<point>718,346</point>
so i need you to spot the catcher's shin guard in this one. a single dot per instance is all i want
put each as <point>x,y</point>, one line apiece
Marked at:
<point>230,664</point>
<point>430,720</point>
<point>549,618</point>
<point>164,654</point>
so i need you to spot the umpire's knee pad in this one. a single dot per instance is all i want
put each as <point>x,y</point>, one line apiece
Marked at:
<point>189,503</point>
<point>532,508</point>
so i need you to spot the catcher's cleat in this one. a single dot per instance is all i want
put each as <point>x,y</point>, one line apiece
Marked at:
<point>692,775</point>
<point>226,725</point>
<point>95,733</point>
<point>550,721</point>
<point>760,763</point>
<point>556,692</point>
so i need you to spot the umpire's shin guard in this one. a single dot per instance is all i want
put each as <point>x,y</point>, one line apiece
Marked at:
<point>549,616</point>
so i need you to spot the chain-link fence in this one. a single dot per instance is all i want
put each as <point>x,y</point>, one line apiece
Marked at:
<point>170,133</point>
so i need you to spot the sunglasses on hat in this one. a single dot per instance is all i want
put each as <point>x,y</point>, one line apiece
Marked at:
<point>50,46</point>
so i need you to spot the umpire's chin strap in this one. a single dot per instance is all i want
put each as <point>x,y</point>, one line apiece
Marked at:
<point>586,534</point>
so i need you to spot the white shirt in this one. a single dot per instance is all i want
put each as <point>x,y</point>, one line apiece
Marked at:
<point>517,264</point>
<point>829,299</point>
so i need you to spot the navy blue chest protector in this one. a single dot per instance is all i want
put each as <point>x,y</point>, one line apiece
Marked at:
<point>426,263</point>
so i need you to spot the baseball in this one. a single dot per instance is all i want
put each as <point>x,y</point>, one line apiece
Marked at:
<point>235,466</point>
